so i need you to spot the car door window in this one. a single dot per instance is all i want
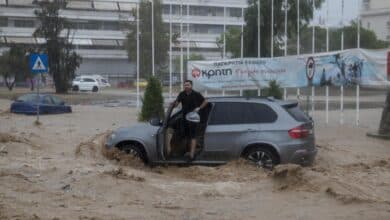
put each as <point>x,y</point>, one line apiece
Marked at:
<point>47,100</point>
<point>241,113</point>
<point>226,113</point>
<point>88,80</point>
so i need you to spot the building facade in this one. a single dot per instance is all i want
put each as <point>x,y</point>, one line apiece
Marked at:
<point>99,38</point>
<point>375,16</point>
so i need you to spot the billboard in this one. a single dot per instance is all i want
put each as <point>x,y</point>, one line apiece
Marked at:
<point>347,68</point>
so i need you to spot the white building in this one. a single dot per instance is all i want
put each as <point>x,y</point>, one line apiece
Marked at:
<point>99,38</point>
<point>375,16</point>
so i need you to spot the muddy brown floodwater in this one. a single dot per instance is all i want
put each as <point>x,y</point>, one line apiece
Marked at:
<point>60,170</point>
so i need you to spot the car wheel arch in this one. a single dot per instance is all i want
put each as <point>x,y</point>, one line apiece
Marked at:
<point>139,144</point>
<point>267,146</point>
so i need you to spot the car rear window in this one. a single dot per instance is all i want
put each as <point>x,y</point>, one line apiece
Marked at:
<point>47,100</point>
<point>297,113</point>
<point>241,113</point>
<point>56,100</point>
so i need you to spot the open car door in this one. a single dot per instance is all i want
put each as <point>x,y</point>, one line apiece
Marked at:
<point>161,133</point>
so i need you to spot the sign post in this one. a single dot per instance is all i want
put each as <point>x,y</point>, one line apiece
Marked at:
<point>38,64</point>
<point>310,70</point>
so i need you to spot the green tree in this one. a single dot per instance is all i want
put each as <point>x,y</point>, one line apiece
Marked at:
<point>273,90</point>
<point>63,61</point>
<point>250,29</point>
<point>233,41</point>
<point>152,101</point>
<point>368,39</point>
<point>14,65</point>
<point>161,38</point>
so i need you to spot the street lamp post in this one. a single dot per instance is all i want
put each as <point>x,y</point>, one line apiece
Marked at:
<point>272,28</point>
<point>285,7</point>
<point>153,72</point>
<point>298,29</point>
<point>258,29</point>
<point>138,98</point>
<point>242,33</point>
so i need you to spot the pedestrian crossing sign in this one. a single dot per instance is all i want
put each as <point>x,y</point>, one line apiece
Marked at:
<point>38,63</point>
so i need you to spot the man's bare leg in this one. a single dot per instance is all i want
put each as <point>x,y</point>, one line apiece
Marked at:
<point>193,147</point>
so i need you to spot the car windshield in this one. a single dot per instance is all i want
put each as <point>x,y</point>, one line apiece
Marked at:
<point>28,98</point>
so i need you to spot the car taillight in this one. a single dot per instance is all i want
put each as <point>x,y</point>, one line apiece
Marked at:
<point>300,132</point>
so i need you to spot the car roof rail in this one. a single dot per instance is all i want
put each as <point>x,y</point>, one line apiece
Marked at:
<point>269,98</point>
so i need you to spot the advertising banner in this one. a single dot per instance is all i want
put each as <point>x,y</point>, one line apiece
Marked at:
<point>349,67</point>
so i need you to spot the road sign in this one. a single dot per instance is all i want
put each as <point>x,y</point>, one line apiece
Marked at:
<point>38,63</point>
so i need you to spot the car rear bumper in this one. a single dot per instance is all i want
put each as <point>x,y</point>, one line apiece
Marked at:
<point>304,157</point>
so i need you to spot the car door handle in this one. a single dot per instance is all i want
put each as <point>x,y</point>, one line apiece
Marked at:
<point>251,130</point>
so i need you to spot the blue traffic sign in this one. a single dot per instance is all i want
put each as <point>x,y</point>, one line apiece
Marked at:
<point>38,63</point>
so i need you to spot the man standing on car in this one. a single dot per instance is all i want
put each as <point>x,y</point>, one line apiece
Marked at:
<point>191,101</point>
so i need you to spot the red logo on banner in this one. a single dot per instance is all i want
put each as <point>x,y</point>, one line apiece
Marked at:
<point>195,73</point>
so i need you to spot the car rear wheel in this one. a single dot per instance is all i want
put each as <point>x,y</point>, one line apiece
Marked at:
<point>75,88</point>
<point>262,157</point>
<point>95,89</point>
<point>133,149</point>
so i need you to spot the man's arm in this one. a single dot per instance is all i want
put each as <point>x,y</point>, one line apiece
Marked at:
<point>175,104</point>
<point>204,103</point>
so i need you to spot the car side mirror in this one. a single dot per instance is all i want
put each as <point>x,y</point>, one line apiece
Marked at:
<point>155,121</point>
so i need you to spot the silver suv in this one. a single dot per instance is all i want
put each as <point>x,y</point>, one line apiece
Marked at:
<point>263,130</point>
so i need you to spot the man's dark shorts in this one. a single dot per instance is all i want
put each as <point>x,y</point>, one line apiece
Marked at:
<point>190,130</point>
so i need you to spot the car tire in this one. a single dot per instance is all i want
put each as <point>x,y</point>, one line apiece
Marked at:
<point>75,88</point>
<point>95,89</point>
<point>262,157</point>
<point>133,149</point>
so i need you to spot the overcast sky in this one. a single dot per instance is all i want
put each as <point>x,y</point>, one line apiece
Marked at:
<point>351,11</point>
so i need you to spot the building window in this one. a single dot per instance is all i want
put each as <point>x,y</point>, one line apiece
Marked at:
<point>24,23</point>
<point>366,4</point>
<point>3,21</point>
<point>235,12</point>
<point>110,25</point>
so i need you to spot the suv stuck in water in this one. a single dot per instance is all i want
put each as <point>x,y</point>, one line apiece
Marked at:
<point>263,130</point>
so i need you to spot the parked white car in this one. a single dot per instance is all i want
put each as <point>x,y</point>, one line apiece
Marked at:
<point>86,83</point>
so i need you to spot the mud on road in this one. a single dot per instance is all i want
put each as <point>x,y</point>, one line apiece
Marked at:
<point>60,170</point>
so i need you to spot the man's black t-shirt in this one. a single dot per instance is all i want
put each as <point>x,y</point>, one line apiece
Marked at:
<point>190,101</point>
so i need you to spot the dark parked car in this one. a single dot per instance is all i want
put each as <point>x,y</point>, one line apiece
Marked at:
<point>264,131</point>
<point>48,104</point>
